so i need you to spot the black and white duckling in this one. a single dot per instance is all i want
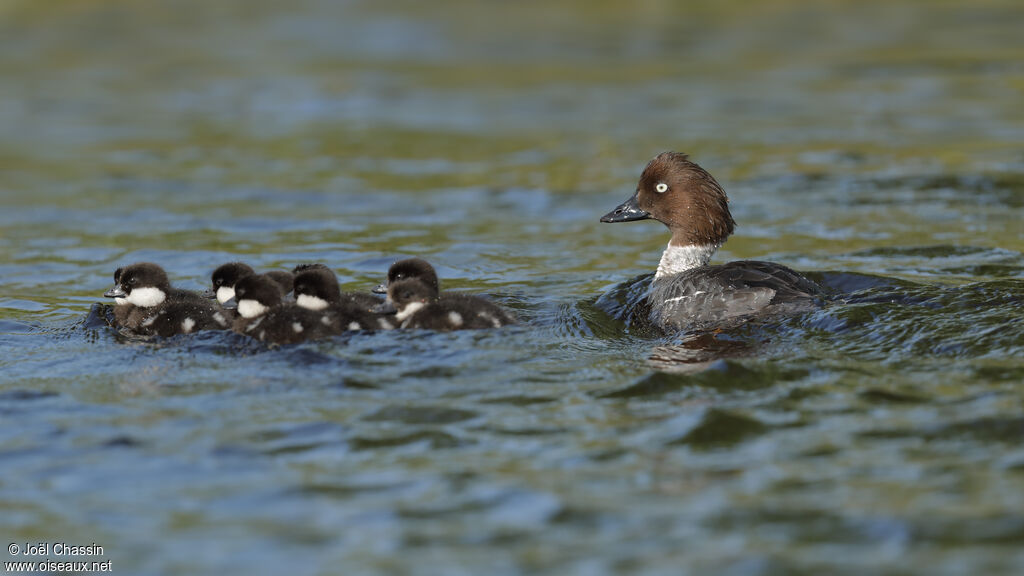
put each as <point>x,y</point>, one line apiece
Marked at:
<point>159,308</point>
<point>264,315</point>
<point>418,305</point>
<point>416,268</point>
<point>284,279</point>
<point>420,269</point>
<point>224,278</point>
<point>317,289</point>
<point>227,275</point>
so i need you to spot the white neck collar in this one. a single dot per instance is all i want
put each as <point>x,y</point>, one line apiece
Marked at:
<point>678,259</point>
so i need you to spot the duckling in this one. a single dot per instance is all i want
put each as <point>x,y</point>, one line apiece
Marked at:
<point>224,279</point>
<point>161,309</point>
<point>417,305</point>
<point>417,268</point>
<point>227,275</point>
<point>285,280</point>
<point>317,289</point>
<point>300,268</point>
<point>263,314</point>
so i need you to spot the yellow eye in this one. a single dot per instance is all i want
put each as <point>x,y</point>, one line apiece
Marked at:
<point>661,188</point>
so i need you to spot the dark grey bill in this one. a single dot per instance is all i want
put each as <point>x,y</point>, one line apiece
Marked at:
<point>115,292</point>
<point>626,212</point>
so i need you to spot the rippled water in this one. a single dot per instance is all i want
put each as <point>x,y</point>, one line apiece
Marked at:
<point>876,146</point>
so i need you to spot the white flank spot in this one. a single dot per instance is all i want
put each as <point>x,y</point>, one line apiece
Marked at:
<point>676,259</point>
<point>219,318</point>
<point>311,302</point>
<point>455,318</point>
<point>325,320</point>
<point>685,296</point>
<point>297,327</point>
<point>187,325</point>
<point>252,325</point>
<point>354,326</point>
<point>224,294</point>
<point>149,321</point>
<point>251,308</point>
<point>146,297</point>
<point>410,309</point>
<point>384,324</point>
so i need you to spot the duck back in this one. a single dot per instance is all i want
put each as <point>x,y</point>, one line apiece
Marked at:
<point>714,293</point>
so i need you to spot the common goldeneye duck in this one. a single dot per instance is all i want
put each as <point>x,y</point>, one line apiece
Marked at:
<point>317,289</point>
<point>686,291</point>
<point>224,278</point>
<point>417,268</point>
<point>263,314</point>
<point>416,304</point>
<point>159,308</point>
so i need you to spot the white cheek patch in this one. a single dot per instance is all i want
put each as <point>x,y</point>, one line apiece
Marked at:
<point>121,301</point>
<point>311,302</point>
<point>251,308</point>
<point>297,327</point>
<point>224,294</point>
<point>146,297</point>
<point>455,318</point>
<point>187,325</point>
<point>409,310</point>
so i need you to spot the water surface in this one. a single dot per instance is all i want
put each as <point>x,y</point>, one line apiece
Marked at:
<point>876,146</point>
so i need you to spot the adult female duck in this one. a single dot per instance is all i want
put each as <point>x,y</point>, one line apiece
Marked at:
<point>686,291</point>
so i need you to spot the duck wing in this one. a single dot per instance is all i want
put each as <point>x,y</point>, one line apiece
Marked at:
<point>714,293</point>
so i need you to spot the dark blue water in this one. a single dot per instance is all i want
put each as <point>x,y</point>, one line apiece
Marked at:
<point>876,147</point>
